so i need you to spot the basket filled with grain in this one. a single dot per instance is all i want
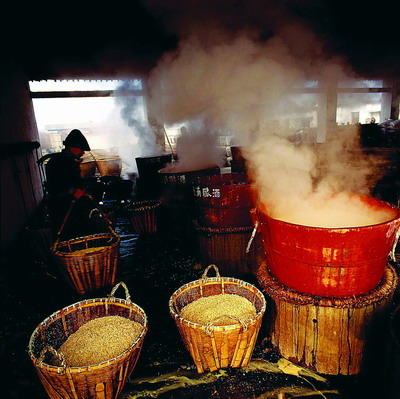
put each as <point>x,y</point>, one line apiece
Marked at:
<point>90,348</point>
<point>144,215</point>
<point>218,319</point>
<point>90,262</point>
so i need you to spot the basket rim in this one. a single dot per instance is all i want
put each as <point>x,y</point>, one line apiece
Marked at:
<point>69,309</point>
<point>142,205</point>
<point>215,280</point>
<point>115,242</point>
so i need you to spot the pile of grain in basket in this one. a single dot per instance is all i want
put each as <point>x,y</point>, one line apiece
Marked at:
<point>99,340</point>
<point>207,309</point>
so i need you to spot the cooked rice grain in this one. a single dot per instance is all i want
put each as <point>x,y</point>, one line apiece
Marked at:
<point>99,340</point>
<point>206,309</point>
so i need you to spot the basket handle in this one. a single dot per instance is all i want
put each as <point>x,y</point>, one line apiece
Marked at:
<point>66,217</point>
<point>393,251</point>
<point>121,283</point>
<point>204,276</point>
<point>253,234</point>
<point>108,221</point>
<point>210,324</point>
<point>58,355</point>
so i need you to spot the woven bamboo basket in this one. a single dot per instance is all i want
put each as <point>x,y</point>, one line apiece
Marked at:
<point>330,335</point>
<point>98,381</point>
<point>109,166</point>
<point>144,215</point>
<point>213,347</point>
<point>88,165</point>
<point>88,263</point>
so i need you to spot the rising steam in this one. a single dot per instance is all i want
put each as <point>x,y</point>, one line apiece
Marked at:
<point>242,86</point>
<point>139,137</point>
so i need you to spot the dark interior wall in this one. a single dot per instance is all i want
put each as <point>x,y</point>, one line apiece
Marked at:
<point>20,181</point>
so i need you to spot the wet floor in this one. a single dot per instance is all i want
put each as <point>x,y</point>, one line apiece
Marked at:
<point>153,266</point>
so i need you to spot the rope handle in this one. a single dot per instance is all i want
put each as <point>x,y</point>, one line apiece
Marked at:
<point>121,283</point>
<point>393,251</point>
<point>108,221</point>
<point>58,355</point>
<point>253,234</point>
<point>204,276</point>
<point>210,324</point>
<point>66,218</point>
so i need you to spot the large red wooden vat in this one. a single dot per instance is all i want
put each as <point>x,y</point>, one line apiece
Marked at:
<point>223,200</point>
<point>331,262</point>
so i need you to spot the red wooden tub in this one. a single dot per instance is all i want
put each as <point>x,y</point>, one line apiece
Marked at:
<point>331,262</point>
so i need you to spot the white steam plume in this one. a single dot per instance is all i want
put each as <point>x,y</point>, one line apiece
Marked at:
<point>140,139</point>
<point>241,85</point>
<point>196,149</point>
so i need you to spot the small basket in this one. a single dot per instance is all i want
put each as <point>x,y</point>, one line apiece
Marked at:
<point>213,347</point>
<point>90,262</point>
<point>103,380</point>
<point>144,215</point>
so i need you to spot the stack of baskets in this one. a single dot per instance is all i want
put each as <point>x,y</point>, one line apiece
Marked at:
<point>218,346</point>
<point>223,222</point>
<point>332,290</point>
<point>103,380</point>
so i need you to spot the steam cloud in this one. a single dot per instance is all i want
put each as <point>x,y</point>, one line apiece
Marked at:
<point>238,83</point>
<point>140,139</point>
<point>196,149</point>
<point>242,86</point>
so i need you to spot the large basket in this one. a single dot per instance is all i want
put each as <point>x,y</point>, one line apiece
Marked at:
<point>104,380</point>
<point>213,347</point>
<point>90,262</point>
<point>144,215</point>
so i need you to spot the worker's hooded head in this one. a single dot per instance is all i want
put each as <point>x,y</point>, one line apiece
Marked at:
<point>76,139</point>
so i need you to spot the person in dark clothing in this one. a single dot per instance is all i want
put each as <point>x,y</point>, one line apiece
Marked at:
<point>65,187</point>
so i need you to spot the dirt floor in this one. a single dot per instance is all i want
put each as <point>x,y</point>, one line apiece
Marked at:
<point>153,266</point>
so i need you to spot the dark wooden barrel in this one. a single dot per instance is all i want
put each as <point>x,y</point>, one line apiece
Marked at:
<point>392,370</point>
<point>148,184</point>
<point>226,247</point>
<point>238,163</point>
<point>177,199</point>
